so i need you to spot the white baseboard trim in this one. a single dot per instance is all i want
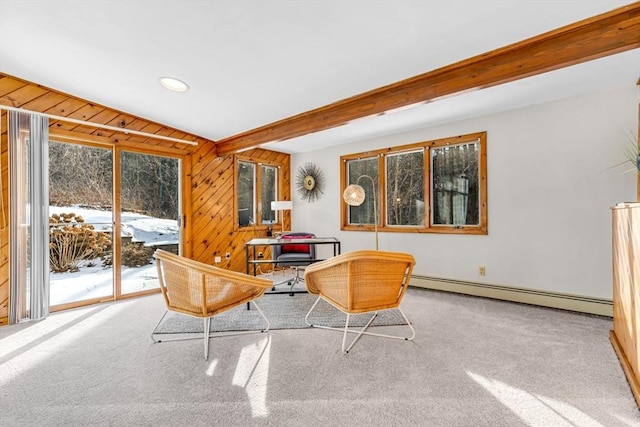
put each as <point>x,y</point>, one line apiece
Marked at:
<point>579,303</point>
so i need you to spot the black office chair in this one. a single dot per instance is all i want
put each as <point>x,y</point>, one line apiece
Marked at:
<point>296,255</point>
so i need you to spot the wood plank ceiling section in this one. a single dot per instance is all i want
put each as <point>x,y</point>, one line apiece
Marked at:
<point>607,34</point>
<point>208,184</point>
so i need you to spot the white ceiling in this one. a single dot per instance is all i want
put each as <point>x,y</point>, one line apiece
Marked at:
<point>250,63</point>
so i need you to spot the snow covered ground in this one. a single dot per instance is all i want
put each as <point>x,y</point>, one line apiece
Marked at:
<point>141,228</point>
<point>97,281</point>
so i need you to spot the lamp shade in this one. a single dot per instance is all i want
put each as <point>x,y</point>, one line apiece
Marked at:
<point>353,195</point>
<point>281,205</point>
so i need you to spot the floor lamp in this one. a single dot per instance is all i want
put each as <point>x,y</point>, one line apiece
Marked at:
<point>354,195</point>
<point>281,205</point>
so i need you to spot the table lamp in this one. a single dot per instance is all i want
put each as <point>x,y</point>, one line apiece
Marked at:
<point>281,205</point>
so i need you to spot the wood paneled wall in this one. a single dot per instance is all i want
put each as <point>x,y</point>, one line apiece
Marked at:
<point>208,184</point>
<point>213,206</point>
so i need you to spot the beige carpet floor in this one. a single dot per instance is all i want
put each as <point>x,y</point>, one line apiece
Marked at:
<point>474,362</point>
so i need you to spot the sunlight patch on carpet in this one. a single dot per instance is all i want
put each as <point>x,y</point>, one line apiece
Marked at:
<point>252,374</point>
<point>535,410</point>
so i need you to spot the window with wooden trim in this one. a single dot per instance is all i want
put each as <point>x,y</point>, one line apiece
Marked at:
<point>437,186</point>
<point>257,186</point>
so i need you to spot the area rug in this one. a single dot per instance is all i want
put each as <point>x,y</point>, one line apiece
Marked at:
<point>283,312</point>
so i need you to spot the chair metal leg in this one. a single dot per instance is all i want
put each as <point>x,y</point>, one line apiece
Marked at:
<point>362,331</point>
<point>292,281</point>
<point>207,331</point>
<point>156,327</point>
<point>263,316</point>
<point>207,327</point>
<point>306,318</point>
<point>296,279</point>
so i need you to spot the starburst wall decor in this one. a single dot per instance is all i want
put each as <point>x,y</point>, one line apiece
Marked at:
<point>309,182</point>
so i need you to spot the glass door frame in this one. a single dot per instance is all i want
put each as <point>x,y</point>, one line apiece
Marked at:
<point>117,214</point>
<point>183,188</point>
<point>104,298</point>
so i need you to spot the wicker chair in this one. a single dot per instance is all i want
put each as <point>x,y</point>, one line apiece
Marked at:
<point>201,290</point>
<point>361,282</point>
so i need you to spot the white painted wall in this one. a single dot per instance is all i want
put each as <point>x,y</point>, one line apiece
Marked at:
<point>550,189</point>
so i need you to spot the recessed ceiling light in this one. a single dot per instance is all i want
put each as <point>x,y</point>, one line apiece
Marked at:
<point>173,84</point>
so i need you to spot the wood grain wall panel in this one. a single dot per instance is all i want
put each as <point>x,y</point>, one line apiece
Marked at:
<point>208,180</point>
<point>121,120</point>
<point>86,112</point>
<point>218,241</point>
<point>8,85</point>
<point>214,175</point>
<point>105,116</point>
<point>65,109</point>
<point>209,216</point>
<point>4,240</point>
<point>44,102</point>
<point>212,216</point>
<point>208,195</point>
<point>213,206</point>
<point>23,95</point>
<point>154,128</point>
<point>203,158</point>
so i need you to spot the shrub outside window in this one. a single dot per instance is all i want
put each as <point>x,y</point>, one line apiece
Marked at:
<point>437,186</point>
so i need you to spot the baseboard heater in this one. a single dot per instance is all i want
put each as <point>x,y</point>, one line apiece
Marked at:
<point>579,303</point>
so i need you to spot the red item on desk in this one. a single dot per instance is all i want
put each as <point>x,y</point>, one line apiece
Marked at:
<point>296,247</point>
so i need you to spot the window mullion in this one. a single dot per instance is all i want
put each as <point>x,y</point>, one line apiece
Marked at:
<point>381,190</point>
<point>427,187</point>
<point>452,197</point>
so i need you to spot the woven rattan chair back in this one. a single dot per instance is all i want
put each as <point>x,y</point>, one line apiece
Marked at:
<point>361,282</point>
<point>201,290</point>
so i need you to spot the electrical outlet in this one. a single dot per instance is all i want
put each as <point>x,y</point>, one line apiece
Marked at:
<point>228,255</point>
<point>218,260</point>
<point>481,270</point>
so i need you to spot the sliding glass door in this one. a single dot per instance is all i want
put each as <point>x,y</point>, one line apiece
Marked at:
<point>106,221</point>
<point>102,240</point>
<point>81,223</point>
<point>85,220</point>
<point>149,216</point>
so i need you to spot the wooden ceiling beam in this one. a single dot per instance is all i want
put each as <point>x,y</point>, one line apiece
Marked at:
<point>602,35</point>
